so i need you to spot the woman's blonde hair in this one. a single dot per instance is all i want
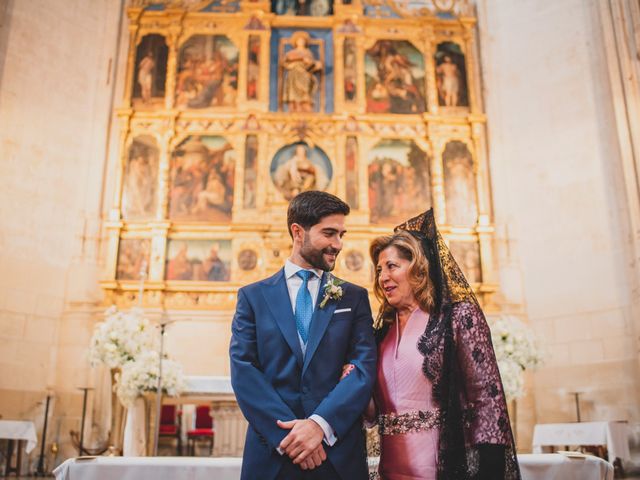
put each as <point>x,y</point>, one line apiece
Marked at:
<point>410,249</point>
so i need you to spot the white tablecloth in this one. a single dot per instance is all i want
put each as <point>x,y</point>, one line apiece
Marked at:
<point>615,435</point>
<point>150,468</point>
<point>19,430</point>
<point>553,466</point>
<point>533,467</point>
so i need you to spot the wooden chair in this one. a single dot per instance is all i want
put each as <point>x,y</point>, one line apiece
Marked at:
<point>170,424</point>
<point>203,429</point>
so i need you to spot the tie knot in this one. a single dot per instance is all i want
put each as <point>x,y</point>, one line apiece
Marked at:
<point>304,274</point>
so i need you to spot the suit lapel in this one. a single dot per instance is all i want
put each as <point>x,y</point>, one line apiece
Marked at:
<point>276,297</point>
<point>319,322</point>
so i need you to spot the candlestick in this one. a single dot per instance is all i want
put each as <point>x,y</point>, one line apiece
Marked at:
<point>85,393</point>
<point>40,470</point>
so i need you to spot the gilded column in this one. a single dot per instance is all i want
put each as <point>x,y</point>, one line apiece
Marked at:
<point>125,123</point>
<point>172,65</point>
<point>473,79</point>
<point>437,180</point>
<point>134,16</point>
<point>430,69</point>
<point>481,166</point>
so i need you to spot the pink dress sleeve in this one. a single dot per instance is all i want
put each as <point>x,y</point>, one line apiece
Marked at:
<point>485,399</point>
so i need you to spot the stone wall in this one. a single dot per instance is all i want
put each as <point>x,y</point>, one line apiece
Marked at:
<point>58,64</point>
<point>563,222</point>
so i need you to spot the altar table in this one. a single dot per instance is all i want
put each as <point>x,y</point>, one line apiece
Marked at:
<point>554,466</point>
<point>150,468</point>
<point>615,435</point>
<point>21,431</point>
<point>533,467</point>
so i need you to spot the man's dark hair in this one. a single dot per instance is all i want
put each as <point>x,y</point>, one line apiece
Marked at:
<point>309,208</point>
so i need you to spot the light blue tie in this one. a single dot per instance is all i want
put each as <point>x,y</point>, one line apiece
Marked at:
<point>304,306</point>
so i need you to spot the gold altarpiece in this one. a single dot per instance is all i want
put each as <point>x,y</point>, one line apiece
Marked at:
<point>214,112</point>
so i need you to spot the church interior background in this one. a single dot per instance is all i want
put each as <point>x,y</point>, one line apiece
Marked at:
<point>149,149</point>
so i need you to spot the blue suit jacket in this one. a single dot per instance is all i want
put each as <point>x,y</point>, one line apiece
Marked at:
<point>272,381</point>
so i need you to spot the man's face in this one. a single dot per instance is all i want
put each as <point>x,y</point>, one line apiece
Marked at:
<point>322,243</point>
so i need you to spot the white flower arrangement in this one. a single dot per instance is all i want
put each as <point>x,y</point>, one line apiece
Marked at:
<point>512,378</point>
<point>120,338</point>
<point>141,375</point>
<point>516,350</point>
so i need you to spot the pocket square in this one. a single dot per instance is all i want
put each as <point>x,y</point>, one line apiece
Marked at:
<point>340,310</point>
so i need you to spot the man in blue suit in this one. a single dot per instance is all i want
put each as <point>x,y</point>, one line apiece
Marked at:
<point>303,356</point>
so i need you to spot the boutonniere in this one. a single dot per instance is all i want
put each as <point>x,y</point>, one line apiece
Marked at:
<point>332,290</point>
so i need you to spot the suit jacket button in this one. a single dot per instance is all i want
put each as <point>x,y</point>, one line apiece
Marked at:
<point>305,389</point>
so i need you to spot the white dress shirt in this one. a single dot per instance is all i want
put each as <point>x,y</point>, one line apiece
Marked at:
<point>294,282</point>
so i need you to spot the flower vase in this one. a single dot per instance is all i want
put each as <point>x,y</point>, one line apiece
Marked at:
<point>135,431</point>
<point>118,417</point>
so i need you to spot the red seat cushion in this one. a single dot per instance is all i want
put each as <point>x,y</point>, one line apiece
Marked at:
<point>200,432</point>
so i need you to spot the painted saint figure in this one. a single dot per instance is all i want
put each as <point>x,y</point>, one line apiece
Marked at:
<point>139,188</point>
<point>140,179</point>
<point>179,267</point>
<point>448,81</point>
<point>213,266</point>
<point>299,174</point>
<point>300,69</point>
<point>145,76</point>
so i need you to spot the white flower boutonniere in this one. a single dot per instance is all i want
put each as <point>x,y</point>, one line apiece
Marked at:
<point>332,290</point>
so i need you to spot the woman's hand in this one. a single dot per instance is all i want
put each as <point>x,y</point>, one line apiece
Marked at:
<point>346,370</point>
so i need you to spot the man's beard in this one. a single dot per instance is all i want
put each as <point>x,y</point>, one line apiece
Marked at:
<point>315,257</point>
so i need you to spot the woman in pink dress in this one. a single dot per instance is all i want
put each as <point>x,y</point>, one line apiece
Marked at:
<point>440,405</point>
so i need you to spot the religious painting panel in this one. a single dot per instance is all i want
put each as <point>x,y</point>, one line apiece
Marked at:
<point>198,260</point>
<point>350,69</point>
<point>298,167</point>
<point>201,180</point>
<point>354,261</point>
<point>399,181</point>
<point>247,259</point>
<point>313,8</point>
<point>301,72</point>
<point>351,172</point>
<point>139,192</point>
<point>133,258</point>
<point>459,185</point>
<point>221,6</point>
<point>467,255</point>
<point>451,76</point>
<point>207,72</point>
<point>250,171</point>
<point>150,73</point>
<point>394,78</point>
<point>253,67</point>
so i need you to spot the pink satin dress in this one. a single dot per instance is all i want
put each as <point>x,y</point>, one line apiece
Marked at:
<point>402,388</point>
